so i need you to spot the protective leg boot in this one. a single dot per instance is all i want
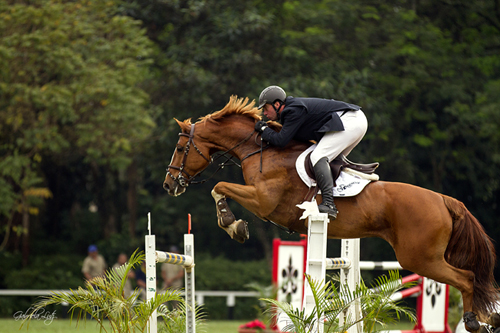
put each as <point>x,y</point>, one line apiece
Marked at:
<point>325,183</point>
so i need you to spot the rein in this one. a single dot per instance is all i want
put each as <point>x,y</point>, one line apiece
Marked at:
<point>184,182</point>
<point>256,152</point>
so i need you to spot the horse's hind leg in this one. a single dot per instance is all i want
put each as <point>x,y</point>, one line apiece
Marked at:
<point>238,230</point>
<point>462,280</point>
<point>441,271</point>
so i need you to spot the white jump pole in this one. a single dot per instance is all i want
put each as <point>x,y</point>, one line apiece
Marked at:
<point>350,276</point>
<point>189,285</point>
<point>150,243</point>
<point>317,264</point>
<point>186,260</point>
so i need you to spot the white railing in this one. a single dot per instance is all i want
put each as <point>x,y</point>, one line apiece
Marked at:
<point>230,295</point>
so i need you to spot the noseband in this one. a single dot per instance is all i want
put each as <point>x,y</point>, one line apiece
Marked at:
<point>184,182</point>
<point>180,179</point>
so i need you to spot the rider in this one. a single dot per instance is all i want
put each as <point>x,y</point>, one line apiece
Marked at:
<point>337,126</point>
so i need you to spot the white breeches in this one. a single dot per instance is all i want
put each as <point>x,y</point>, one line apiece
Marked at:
<point>332,144</point>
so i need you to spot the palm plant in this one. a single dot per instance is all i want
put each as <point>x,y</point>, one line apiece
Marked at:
<point>263,308</point>
<point>331,302</point>
<point>102,299</point>
<point>175,322</point>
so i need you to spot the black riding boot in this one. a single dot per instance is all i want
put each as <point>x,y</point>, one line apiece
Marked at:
<point>325,183</point>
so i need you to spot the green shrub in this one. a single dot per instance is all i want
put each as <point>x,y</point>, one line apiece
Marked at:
<point>60,271</point>
<point>223,274</point>
<point>63,271</point>
<point>220,273</point>
<point>51,272</point>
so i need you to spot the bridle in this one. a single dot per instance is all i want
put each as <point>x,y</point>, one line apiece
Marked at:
<point>180,177</point>
<point>183,181</point>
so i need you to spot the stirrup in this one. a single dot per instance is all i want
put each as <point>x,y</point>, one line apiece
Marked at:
<point>331,210</point>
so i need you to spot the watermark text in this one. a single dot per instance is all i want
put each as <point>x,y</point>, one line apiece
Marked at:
<point>40,314</point>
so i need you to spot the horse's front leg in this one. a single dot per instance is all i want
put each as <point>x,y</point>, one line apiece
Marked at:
<point>245,195</point>
<point>238,230</point>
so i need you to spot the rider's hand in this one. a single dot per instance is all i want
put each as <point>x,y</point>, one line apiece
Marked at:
<point>260,126</point>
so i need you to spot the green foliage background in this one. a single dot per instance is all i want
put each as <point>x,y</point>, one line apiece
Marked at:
<point>89,89</point>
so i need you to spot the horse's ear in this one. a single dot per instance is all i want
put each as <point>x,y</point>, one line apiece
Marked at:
<point>183,125</point>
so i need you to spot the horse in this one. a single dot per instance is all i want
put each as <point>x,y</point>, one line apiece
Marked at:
<point>432,234</point>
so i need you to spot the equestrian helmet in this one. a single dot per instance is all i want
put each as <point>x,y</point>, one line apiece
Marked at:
<point>270,95</point>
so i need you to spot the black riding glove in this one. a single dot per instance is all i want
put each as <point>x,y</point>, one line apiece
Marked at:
<point>260,126</point>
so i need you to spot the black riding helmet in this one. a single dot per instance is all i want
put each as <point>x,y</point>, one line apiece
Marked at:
<point>270,95</point>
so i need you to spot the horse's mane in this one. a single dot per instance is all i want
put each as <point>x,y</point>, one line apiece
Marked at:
<point>235,106</point>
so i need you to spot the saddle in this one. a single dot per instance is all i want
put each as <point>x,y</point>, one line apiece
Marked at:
<point>338,164</point>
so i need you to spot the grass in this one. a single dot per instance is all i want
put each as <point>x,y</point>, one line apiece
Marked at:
<point>64,325</point>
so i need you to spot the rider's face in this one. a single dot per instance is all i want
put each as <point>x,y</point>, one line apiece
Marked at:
<point>269,112</point>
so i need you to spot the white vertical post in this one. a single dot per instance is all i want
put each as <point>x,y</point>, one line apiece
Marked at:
<point>189,285</point>
<point>351,277</point>
<point>151,274</point>
<point>316,260</point>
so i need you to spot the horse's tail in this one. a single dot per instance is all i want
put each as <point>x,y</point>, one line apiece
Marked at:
<point>470,248</point>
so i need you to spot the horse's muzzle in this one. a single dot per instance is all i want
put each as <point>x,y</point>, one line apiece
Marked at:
<point>173,188</point>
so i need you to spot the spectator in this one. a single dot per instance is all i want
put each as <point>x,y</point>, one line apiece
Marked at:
<point>140,279</point>
<point>94,264</point>
<point>122,260</point>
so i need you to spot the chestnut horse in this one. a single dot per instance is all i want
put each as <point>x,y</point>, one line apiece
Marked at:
<point>432,234</point>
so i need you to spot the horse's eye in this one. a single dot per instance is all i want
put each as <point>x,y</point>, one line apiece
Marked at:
<point>180,149</point>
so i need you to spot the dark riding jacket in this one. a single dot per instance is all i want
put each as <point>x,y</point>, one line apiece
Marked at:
<point>306,119</point>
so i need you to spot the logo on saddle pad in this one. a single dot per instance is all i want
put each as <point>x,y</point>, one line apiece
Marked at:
<point>348,182</point>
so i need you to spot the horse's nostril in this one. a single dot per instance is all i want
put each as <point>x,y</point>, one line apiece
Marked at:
<point>165,186</point>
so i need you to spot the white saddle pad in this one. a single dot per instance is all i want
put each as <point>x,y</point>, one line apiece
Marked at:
<point>349,183</point>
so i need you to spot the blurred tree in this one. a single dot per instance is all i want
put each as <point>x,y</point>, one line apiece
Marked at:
<point>68,80</point>
<point>416,68</point>
<point>75,113</point>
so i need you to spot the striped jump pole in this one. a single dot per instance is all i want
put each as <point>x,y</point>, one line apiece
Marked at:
<point>186,260</point>
<point>174,259</point>
<point>379,265</point>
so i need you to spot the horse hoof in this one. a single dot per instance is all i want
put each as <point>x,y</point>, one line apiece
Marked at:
<point>239,239</point>
<point>242,230</point>
<point>238,231</point>
<point>494,320</point>
<point>226,216</point>
<point>470,321</point>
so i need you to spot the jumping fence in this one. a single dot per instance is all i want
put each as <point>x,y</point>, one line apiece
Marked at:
<point>432,297</point>
<point>187,261</point>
